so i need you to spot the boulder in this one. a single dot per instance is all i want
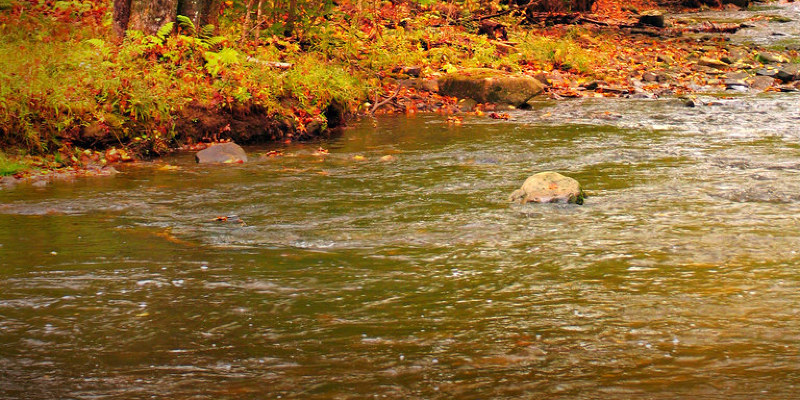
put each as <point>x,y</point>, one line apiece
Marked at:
<point>789,73</point>
<point>224,153</point>
<point>771,58</point>
<point>653,18</point>
<point>761,82</point>
<point>549,187</point>
<point>490,86</point>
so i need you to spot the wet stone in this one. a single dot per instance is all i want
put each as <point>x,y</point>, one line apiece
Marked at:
<point>549,187</point>
<point>224,153</point>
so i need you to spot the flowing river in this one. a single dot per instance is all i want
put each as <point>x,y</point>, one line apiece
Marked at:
<point>414,277</point>
<point>393,267</point>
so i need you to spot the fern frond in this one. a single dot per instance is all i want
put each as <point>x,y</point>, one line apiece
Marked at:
<point>187,25</point>
<point>133,35</point>
<point>228,56</point>
<point>214,40</point>
<point>207,31</point>
<point>165,30</point>
<point>99,43</point>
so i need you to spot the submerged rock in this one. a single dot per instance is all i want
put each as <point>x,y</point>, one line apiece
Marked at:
<point>549,187</point>
<point>224,153</point>
<point>490,86</point>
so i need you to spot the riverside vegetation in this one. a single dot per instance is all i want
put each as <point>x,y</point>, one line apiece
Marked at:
<point>73,95</point>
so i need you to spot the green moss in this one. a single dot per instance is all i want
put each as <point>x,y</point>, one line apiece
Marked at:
<point>780,19</point>
<point>11,167</point>
<point>565,53</point>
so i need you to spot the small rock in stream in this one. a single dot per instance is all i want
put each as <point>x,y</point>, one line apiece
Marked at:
<point>549,187</point>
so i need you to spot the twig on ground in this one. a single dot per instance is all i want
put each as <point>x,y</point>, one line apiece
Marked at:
<point>377,105</point>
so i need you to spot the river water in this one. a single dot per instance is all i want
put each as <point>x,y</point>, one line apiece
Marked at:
<point>413,277</point>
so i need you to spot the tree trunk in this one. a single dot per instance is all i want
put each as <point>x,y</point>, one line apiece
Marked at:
<point>149,15</point>
<point>246,24</point>
<point>258,19</point>
<point>289,27</point>
<point>122,14</point>
<point>201,12</point>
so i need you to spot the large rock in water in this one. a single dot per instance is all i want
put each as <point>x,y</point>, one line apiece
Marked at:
<point>225,153</point>
<point>490,86</point>
<point>549,187</point>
